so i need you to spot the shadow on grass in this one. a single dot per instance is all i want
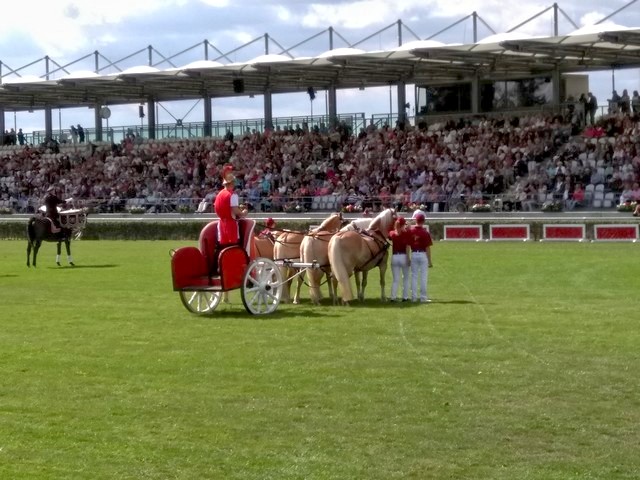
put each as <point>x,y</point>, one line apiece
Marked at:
<point>235,311</point>
<point>74,267</point>
<point>8,275</point>
<point>377,303</point>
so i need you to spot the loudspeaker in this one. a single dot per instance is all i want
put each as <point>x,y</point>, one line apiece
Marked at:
<point>141,111</point>
<point>312,93</point>
<point>238,85</point>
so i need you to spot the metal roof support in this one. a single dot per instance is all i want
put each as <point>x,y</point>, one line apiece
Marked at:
<point>98,121</point>
<point>330,30</point>
<point>151,117</point>
<point>115,64</point>
<point>555,86</point>
<point>568,18</point>
<point>268,109</point>
<point>402,100</point>
<point>2,125</point>
<point>208,117</point>
<point>475,40</point>
<point>398,23</point>
<point>48,123</point>
<point>556,9</point>
<point>616,12</point>
<point>475,18</point>
<point>475,27</point>
<point>333,105</point>
<point>475,93</point>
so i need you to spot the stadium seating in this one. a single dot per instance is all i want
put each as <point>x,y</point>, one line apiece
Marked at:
<point>609,200</point>
<point>598,199</point>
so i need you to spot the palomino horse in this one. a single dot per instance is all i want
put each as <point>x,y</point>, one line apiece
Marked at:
<point>263,246</point>
<point>315,248</point>
<point>39,230</point>
<point>287,247</point>
<point>352,251</point>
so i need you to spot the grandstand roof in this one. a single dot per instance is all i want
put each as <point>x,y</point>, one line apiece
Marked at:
<point>421,62</point>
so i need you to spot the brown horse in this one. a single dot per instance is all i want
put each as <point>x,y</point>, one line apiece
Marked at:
<point>352,251</point>
<point>39,230</point>
<point>315,248</point>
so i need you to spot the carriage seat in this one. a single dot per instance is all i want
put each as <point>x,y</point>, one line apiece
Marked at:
<point>213,264</point>
<point>211,247</point>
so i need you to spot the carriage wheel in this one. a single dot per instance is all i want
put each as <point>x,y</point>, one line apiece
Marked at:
<point>262,287</point>
<point>200,301</point>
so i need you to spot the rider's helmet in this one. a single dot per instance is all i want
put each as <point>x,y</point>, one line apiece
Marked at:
<point>270,222</point>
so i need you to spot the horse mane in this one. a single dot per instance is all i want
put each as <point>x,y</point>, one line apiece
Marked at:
<point>383,221</point>
<point>326,224</point>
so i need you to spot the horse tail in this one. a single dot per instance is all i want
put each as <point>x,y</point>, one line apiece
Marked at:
<point>339,268</point>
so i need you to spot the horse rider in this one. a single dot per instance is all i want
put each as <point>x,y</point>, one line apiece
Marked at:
<point>51,202</point>
<point>268,231</point>
<point>227,208</point>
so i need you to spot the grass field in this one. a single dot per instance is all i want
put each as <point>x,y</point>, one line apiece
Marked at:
<point>525,366</point>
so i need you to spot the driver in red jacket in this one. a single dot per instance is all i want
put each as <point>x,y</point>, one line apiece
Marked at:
<point>227,208</point>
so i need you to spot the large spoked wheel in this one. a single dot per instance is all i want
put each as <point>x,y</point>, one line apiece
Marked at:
<point>262,287</point>
<point>199,301</point>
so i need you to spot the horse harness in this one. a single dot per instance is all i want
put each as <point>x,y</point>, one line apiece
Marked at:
<point>376,257</point>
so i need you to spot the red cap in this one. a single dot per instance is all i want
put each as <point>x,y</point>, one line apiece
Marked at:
<point>271,222</point>
<point>227,174</point>
<point>400,221</point>
<point>419,218</point>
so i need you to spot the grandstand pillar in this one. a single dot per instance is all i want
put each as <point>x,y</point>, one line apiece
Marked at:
<point>475,94</point>
<point>48,123</point>
<point>268,110</point>
<point>555,86</point>
<point>98,121</point>
<point>402,101</point>
<point>151,118</point>
<point>333,111</point>
<point>2,126</point>
<point>207,116</point>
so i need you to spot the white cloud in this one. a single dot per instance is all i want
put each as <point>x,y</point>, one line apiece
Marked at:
<point>216,3</point>
<point>283,13</point>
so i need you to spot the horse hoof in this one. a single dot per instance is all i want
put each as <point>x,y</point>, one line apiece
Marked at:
<point>72,264</point>
<point>58,263</point>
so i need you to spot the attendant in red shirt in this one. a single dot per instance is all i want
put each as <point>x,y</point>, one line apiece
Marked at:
<point>420,242</point>
<point>400,261</point>
<point>227,208</point>
<point>268,232</point>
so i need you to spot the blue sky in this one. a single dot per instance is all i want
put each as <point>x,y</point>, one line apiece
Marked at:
<point>68,30</point>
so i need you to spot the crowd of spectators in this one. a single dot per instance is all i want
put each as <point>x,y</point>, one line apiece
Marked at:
<point>522,161</point>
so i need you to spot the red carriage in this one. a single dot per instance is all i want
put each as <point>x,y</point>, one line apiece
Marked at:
<point>202,274</point>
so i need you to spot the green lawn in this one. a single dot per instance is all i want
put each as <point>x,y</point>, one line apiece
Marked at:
<point>525,366</point>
